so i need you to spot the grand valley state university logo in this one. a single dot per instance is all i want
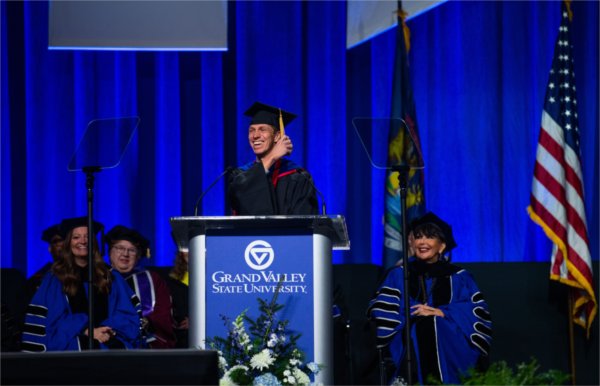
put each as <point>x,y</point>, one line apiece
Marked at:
<point>259,255</point>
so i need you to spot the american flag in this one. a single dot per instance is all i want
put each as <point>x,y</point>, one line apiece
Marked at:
<point>556,202</point>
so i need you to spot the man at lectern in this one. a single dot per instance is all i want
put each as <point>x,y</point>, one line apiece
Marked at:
<point>271,184</point>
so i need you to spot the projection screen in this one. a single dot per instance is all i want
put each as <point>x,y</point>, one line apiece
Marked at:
<point>153,25</point>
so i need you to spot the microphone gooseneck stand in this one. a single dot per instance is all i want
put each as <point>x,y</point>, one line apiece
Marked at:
<point>89,184</point>
<point>199,200</point>
<point>403,185</point>
<point>321,196</point>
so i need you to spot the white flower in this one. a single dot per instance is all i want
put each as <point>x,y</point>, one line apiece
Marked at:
<point>262,360</point>
<point>301,377</point>
<point>226,380</point>
<point>243,337</point>
<point>399,381</point>
<point>223,363</point>
<point>272,341</point>
<point>234,368</point>
<point>294,362</point>
<point>312,366</point>
<point>287,373</point>
<point>291,380</point>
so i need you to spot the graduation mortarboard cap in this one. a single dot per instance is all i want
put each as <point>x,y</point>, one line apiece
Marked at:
<point>49,233</point>
<point>431,218</point>
<point>121,232</point>
<point>274,116</point>
<point>69,224</point>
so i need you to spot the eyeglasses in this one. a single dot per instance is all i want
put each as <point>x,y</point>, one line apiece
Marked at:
<point>122,250</point>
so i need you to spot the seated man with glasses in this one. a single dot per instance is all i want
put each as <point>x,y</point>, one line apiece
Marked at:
<point>126,247</point>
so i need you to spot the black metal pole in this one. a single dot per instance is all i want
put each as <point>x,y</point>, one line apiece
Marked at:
<point>403,185</point>
<point>89,184</point>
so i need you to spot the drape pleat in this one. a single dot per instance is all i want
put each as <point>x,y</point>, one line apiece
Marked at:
<point>479,72</point>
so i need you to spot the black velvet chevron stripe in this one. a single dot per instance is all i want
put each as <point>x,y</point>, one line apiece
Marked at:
<point>135,300</point>
<point>34,329</point>
<point>384,341</point>
<point>482,328</point>
<point>387,323</point>
<point>32,347</point>
<point>389,291</point>
<point>387,307</point>
<point>36,310</point>
<point>477,297</point>
<point>481,343</point>
<point>482,314</point>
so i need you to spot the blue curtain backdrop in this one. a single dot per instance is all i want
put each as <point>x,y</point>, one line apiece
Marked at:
<point>479,75</point>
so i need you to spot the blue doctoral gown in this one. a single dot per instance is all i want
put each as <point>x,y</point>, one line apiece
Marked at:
<point>51,325</point>
<point>444,347</point>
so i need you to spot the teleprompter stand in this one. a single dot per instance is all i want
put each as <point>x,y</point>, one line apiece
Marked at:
<point>102,147</point>
<point>364,129</point>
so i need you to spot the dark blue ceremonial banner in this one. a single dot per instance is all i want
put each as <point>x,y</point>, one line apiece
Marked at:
<point>240,269</point>
<point>403,149</point>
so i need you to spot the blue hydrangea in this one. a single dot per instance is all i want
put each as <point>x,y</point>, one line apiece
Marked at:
<point>267,379</point>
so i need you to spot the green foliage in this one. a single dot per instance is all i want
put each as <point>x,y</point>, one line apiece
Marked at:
<point>499,373</point>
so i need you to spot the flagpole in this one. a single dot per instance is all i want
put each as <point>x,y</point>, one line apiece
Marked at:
<point>403,170</point>
<point>403,185</point>
<point>571,336</point>
<point>562,215</point>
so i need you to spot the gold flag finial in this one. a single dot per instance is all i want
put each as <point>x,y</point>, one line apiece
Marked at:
<point>402,19</point>
<point>568,5</point>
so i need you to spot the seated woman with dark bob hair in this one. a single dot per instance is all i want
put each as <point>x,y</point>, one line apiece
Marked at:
<point>450,325</point>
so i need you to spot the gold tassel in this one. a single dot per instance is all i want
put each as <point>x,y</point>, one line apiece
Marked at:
<point>281,128</point>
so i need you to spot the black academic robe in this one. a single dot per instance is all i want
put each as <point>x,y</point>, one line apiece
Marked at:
<point>286,189</point>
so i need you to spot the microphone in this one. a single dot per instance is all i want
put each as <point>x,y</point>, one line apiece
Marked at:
<point>323,211</point>
<point>323,206</point>
<point>227,170</point>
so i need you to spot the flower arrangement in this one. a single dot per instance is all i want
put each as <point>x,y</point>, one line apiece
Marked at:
<point>264,354</point>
